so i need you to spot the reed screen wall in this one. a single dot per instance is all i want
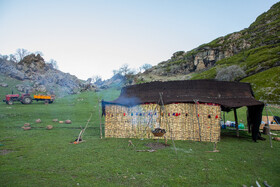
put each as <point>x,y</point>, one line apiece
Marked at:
<point>182,121</point>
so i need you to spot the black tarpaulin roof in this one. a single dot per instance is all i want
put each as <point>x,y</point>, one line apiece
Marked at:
<point>227,94</point>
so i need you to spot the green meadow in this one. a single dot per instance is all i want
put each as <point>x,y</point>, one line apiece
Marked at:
<point>41,157</point>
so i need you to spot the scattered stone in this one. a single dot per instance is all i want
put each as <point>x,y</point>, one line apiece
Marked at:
<point>26,125</point>
<point>61,122</point>
<point>38,121</point>
<point>20,87</point>
<point>68,121</point>
<point>41,88</point>
<point>26,128</point>
<point>49,127</point>
<point>3,84</point>
<point>55,120</point>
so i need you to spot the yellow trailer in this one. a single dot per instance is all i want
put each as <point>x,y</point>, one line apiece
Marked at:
<point>46,98</point>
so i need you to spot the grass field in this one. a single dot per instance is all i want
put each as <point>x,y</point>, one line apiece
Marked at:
<point>41,157</point>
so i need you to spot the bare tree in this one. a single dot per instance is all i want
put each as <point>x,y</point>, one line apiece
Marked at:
<point>53,63</point>
<point>96,78</point>
<point>4,57</point>
<point>39,53</point>
<point>21,53</point>
<point>230,73</point>
<point>124,69</point>
<point>115,72</point>
<point>146,66</point>
<point>12,58</point>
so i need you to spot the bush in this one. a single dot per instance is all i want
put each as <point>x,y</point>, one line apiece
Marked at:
<point>230,73</point>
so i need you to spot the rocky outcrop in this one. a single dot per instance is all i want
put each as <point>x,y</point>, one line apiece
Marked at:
<point>264,31</point>
<point>203,57</point>
<point>38,76</point>
<point>9,68</point>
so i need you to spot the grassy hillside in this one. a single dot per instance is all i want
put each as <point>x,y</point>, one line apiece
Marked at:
<point>266,85</point>
<point>11,85</point>
<point>41,157</point>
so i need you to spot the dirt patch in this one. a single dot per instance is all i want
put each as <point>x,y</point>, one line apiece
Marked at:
<point>155,145</point>
<point>5,151</point>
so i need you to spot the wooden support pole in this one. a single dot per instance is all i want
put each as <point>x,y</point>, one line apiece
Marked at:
<point>224,117</point>
<point>236,122</point>
<point>83,130</point>
<point>99,102</point>
<point>79,137</point>
<point>196,103</point>
<point>170,129</point>
<point>267,126</point>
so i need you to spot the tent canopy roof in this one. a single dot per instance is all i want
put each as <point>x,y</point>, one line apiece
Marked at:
<point>227,94</point>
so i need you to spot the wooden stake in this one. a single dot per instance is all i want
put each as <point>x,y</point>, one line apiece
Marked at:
<point>268,127</point>
<point>150,120</point>
<point>196,102</point>
<point>99,101</point>
<point>215,150</point>
<point>224,117</point>
<point>83,130</point>
<point>161,100</point>
<point>78,140</point>
<point>87,123</point>
<point>193,132</point>
<point>236,122</point>
<point>130,143</point>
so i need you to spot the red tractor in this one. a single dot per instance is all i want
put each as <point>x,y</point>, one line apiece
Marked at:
<point>24,98</point>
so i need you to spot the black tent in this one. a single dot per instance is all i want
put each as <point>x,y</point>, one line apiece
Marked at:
<point>230,95</point>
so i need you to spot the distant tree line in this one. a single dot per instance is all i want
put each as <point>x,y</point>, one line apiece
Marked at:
<point>124,71</point>
<point>21,53</point>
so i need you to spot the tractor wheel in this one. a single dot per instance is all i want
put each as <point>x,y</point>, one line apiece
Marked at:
<point>46,101</point>
<point>10,102</point>
<point>27,100</point>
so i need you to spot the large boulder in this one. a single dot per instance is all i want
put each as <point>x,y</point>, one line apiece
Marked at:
<point>41,88</point>
<point>24,88</point>
<point>20,87</point>
<point>9,68</point>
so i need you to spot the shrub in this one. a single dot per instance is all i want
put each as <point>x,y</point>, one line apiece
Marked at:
<point>230,73</point>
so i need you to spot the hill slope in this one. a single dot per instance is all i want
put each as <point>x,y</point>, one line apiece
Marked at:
<point>253,50</point>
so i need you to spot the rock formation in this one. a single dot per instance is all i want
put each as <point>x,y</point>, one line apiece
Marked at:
<point>40,77</point>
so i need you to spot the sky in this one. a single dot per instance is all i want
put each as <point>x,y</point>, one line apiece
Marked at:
<point>95,37</point>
